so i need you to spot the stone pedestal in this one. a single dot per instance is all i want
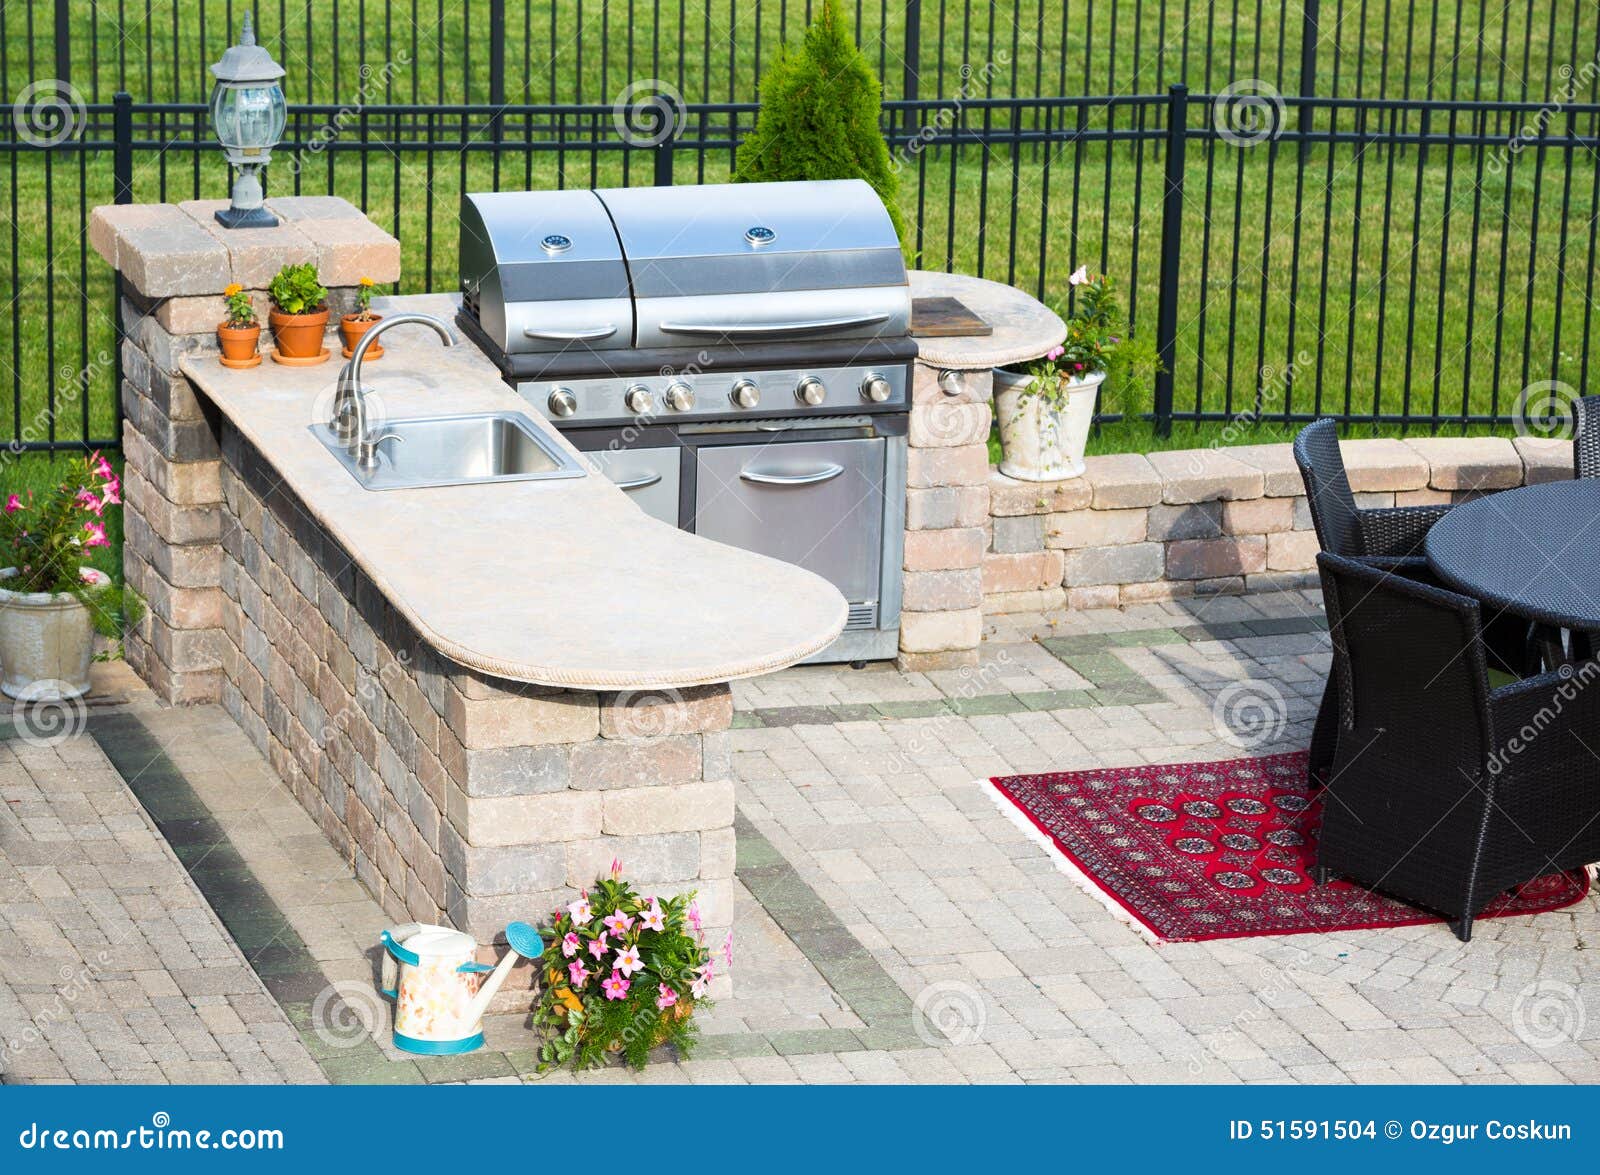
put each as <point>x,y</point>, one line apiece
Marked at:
<point>948,526</point>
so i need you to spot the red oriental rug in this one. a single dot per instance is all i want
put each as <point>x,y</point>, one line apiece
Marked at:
<point>1198,851</point>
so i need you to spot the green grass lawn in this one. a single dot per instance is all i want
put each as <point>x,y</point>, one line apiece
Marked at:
<point>713,50</point>
<point>1374,279</point>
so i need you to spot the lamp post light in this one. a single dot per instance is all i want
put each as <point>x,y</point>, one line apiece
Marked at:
<point>248,114</point>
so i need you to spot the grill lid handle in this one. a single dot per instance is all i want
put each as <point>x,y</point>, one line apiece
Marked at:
<point>815,477</point>
<point>769,329</point>
<point>587,335</point>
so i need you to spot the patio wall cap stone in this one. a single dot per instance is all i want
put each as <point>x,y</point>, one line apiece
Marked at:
<point>1544,458</point>
<point>1280,475</point>
<point>179,250</point>
<point>1122,480</point>
<point>1470,463</point>
<point>1179,484</point>
<point>1383,464</point>
<point>1205,475</point>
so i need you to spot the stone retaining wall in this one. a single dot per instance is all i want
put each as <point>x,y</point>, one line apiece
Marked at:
<point>1136,528</point>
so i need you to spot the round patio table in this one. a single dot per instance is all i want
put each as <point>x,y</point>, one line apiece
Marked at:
<point>1533,551</point>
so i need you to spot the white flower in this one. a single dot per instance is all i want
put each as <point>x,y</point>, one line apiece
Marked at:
<point>1079,276</point>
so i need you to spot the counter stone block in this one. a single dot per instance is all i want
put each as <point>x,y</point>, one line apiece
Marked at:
<point>520,721</point>
<point>608,764</point>
<point>635,714</point>
<point>677,807</point>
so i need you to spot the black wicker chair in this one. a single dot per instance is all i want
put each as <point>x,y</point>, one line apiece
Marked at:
<point>1444,792</point>
<point>1389,537</point>
<point>1586,438</point>
<point>1386,538</point>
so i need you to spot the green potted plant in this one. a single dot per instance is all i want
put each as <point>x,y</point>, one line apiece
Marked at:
<point>239,333</point>
<point>299,316</point>
<point>51,605</point>
<point>353,326</point>
<point>623,974</point>
<point>821,106</point>
<point>1044,409</point>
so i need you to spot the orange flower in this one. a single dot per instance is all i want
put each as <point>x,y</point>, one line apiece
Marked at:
<point>367,281</point>
<point>232,289</point>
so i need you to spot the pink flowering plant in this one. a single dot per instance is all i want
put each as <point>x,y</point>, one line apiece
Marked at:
<point>46,539</point>
<point>1097,341</point>
<point>623,972</point>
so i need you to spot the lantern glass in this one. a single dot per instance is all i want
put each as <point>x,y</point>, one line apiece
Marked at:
<point>248,117</point>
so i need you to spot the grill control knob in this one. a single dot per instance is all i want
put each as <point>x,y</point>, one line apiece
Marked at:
<point>876,388</point>
<point>811,391</point>
<point>680,396</point>
<point>639,400</point>
<point>745,394</point>
<point>562,402</point>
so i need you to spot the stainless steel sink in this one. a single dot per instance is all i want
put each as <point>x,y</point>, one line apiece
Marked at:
<point>456,450</point>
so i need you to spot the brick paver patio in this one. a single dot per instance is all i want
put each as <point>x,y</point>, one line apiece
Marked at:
<point>894,925</point>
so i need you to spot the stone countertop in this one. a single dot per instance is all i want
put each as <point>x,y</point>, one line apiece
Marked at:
<point>561,583</point>
<point>1024,328</point>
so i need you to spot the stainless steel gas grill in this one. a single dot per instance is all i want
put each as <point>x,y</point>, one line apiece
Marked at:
<point>736,357</point>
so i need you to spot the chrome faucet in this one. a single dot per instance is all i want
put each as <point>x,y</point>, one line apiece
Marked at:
<point>348,421</point>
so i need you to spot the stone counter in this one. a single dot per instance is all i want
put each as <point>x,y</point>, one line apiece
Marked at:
<point>562,582</point>
<point>471,774</point>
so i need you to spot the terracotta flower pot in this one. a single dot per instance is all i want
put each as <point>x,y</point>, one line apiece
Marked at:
<point>352,327</point>
<point>238,342</point>
<point>299,336</point>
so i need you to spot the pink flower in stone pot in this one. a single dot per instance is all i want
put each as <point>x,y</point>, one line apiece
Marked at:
<point>51,604</point>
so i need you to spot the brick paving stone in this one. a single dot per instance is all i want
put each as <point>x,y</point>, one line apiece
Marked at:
<point>72,1013</point>
<point>878,878</point>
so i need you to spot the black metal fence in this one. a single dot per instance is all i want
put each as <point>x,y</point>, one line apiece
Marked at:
<point>1416,263</point>
<point>590,51</point>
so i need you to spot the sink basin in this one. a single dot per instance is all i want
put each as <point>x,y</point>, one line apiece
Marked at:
<point>457,450</point>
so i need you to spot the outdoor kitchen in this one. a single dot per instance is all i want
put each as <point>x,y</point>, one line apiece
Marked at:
<point>840,562</point>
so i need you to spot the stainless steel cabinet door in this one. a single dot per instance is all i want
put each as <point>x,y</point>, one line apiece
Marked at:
<point>818,504</point>
<point>648,476</point>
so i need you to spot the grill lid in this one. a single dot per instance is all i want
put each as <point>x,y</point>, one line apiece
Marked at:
<point>544,272</point>
<point>755,238</point>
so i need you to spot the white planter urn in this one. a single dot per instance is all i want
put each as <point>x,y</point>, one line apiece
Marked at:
<point>1038,441</point>
<point>46,642</point>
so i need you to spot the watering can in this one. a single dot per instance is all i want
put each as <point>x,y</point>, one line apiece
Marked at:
<point>439,988</point>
